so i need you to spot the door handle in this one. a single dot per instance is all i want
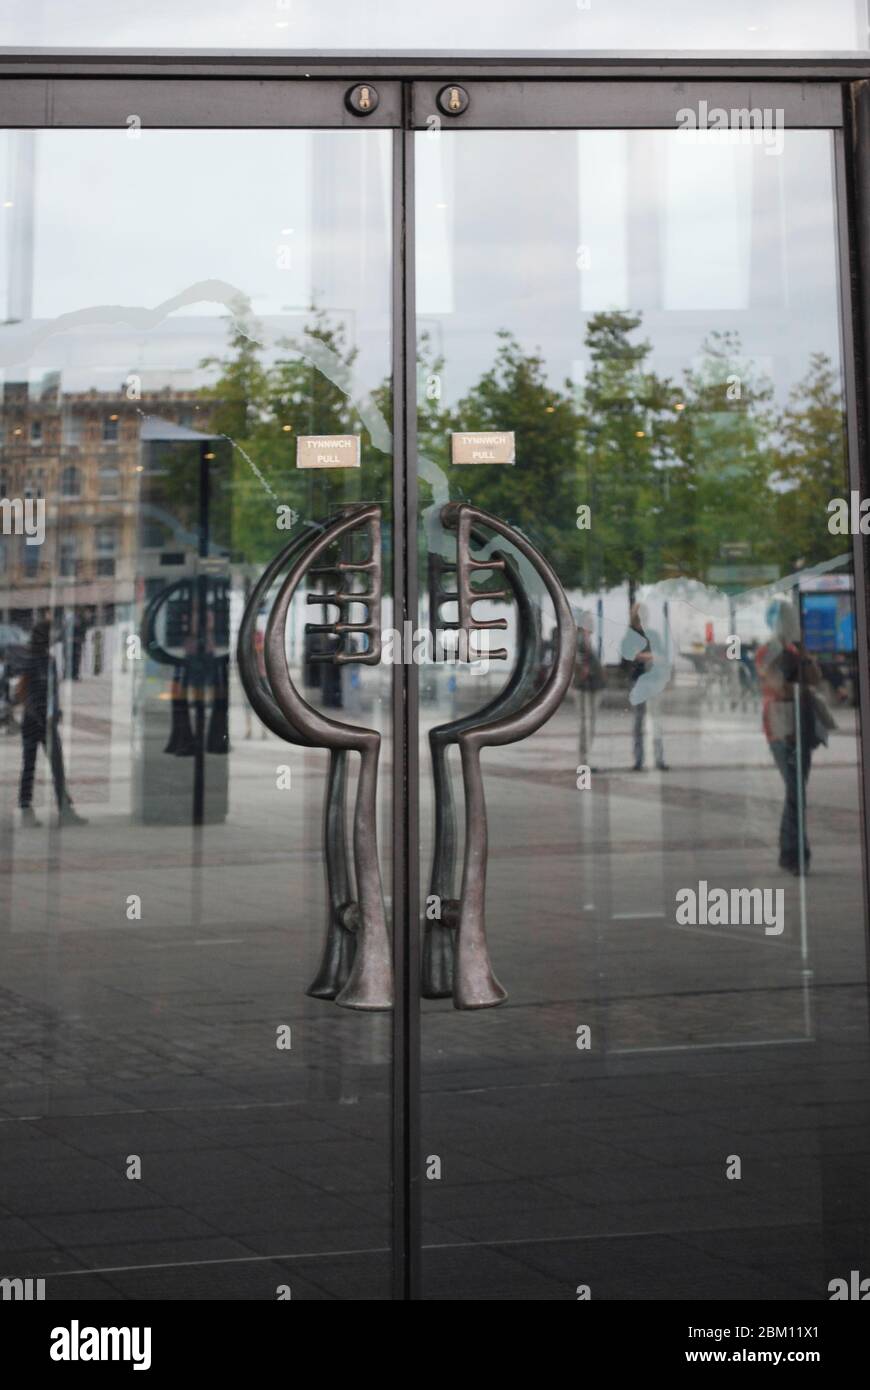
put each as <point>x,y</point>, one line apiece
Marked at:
<point>339,946</point>
<point>438,939</point>
<point>199,668</point>
<point>369,984</point>
<point>517,712</point>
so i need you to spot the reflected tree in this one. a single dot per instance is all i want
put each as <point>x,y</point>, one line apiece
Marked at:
<point>538,494</point>
<point>721,502</point>
<point>810,465</point>
<point>263,408</point>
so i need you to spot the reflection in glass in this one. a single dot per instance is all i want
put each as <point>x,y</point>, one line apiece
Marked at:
<point>389,25</point>
<point>675,886</point>
<point>178,309</point>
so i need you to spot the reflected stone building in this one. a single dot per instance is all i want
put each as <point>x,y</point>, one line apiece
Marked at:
<point>91,456</point>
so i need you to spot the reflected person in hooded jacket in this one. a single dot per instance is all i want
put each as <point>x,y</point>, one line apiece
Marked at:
<point>37,691</point>
<point>788,676</point>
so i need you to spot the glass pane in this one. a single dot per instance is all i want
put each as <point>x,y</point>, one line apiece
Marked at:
<point>178,1118</point>
<point>663,1106</point>
<point>496,25</point>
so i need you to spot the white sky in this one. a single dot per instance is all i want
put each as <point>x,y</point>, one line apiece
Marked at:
<point>451,25</point>
<point>696,239</point>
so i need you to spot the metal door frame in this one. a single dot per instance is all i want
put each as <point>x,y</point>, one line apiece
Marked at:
<point>808,99</point>
<point>75,88</point>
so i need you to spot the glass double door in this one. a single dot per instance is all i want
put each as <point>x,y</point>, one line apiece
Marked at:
<point>181,1119</point>
<point>542,728</point>
<point>671,1102</point>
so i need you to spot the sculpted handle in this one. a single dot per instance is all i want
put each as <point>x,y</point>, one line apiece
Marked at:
<point>475,985</point>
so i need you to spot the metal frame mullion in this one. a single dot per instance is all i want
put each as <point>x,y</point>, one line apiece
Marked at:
<point>605,104</point>
<point>406,887</point>
<point>852,176</point>
<point>355,64</point>
<point>179,103</point>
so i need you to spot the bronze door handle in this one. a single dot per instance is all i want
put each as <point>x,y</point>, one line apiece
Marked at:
<point>517,713</point>
<point>198,668</point>
<point>148,626</point>
<point>437,964</point>
<point>339,946</point>
<point>370,984</point>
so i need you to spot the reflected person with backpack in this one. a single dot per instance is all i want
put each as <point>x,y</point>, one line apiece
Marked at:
<point>795,721</point>
<point>37,692</point>
<point>588,682</point>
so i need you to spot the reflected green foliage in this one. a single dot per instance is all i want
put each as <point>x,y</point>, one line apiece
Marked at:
<point>537,494</point>
<point>263,409</point>
<point>623,449</point>
<point>811,465</point>
<point>682,477</point>
<point>721,506</point>
<point>685,478</point>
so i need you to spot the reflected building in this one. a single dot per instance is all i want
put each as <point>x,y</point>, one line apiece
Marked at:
<point>94,458</point>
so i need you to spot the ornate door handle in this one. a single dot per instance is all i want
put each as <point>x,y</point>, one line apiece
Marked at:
<point>339,945</point>
<point>195,668</point>
<point>369,982</point>
<point>439,936</point>
<point>518,711</point>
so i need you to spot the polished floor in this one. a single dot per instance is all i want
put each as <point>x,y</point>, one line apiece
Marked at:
<point>559,1168</point>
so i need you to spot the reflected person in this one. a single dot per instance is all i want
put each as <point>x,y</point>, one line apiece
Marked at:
<point>37,691</point>
<point>588,682</point>
<point>646,651</point>
<point>788,675</point>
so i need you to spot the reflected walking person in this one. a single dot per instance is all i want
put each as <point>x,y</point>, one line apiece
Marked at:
<point>588,682</point>
<point>788,718</point>
<point>37,691</point>
<point>641,662</point>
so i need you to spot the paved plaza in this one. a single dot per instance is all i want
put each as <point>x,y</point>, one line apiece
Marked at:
<point>263,1167</point>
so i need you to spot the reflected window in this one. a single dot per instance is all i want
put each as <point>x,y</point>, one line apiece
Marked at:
<point>154,534</point>
<point>110,429</point>
<point>68,562</point>
<point>110,482</point>
<point>30,559</point>
<point>71,429</point>
<point>71,482</point>
<point>107,543</point>
<point>36,432</point>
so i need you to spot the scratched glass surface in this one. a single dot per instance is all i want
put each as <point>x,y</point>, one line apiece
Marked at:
<point>674,898</point>
<point>179,308</point>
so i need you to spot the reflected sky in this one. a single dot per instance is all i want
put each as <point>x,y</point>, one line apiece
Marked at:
<point>287,218</point>
<point>451,25</point>
<point>535,231</point>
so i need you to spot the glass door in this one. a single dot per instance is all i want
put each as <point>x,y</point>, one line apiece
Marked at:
<point>644,1027</point>
<point>196,352</point>
<point>621,311</point>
